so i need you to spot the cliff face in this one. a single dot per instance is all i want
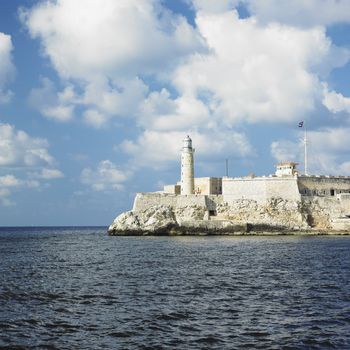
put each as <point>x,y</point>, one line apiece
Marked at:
<point>176,215</point>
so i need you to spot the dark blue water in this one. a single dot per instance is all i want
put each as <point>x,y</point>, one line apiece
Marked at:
<point>77,288</point>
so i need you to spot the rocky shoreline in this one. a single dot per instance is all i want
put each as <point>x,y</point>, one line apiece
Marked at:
<point>245,217</point>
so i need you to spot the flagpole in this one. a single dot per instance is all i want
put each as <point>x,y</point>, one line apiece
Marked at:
<point>305,151</point>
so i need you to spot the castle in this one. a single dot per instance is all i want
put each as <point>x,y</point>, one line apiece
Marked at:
<point>285,201</point>
<point>286,183</point>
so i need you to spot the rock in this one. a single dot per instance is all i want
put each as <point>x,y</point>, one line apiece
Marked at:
<point>153,220</point>
<point>237,217</point>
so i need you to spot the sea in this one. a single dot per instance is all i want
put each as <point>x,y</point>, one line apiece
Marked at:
<point>78,288</point>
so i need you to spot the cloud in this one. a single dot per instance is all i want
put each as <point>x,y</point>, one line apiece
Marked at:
<point>51,103</point>
<point>18,149</point>
<point>7,68</point>
<point>285,151</point>
<point>120,42</point>
<point>20,152</point>
<point>106,176</point>
<point>160,112</point>
<point>95,118</point>
<point>334,101</point>
<point>250,74</point>
<point>48,174</point>
<point>157,148</point>
<point>10,183</point>
<point>140,61</point>
<point>257,73</point>
<point>328,151</point>
<point>98,32</point>
<point>300,12</point>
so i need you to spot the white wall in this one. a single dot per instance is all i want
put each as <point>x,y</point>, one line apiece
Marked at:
<point>260,189</point>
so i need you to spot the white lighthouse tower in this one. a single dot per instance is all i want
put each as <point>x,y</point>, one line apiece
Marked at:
<point>187,169</point>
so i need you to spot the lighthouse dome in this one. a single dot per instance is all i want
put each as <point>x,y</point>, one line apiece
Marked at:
<point>187,142</point>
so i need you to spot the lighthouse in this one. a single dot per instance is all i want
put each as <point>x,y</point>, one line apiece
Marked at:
<point>187,168</point>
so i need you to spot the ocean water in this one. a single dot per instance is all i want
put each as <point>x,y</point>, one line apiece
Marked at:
<point>77,288</point>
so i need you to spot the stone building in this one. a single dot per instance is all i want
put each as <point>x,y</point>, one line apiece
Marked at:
<point>286,169</point>
<point>286,183</point>
<point>281,202</point>
<point>208,185</point>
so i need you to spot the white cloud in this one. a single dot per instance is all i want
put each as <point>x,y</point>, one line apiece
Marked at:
<point>7,69</point>
<point>48,174</point>
<point>156,148</point>
<point>95,118</point>
<point>328,151</point>
<point>18,149</point>
<point>51,103</point>
<point>301,12</point>
<point>258,73</point>
<point>4,197</point>
<point>10,183</point>
<point>160,112</point>
<point>120,98</point>
<point>252,73</point>
<point>84,38</point>
<point>285,151</point>
<point>335,101</point>
<point>106,176</point>
<point>21,152</point>
<point>225,72</point>
<point>104,58</point>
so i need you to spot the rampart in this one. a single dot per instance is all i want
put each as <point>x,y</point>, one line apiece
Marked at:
<point>323,185</point>
<point>145,200</point>
<point>260,189</point>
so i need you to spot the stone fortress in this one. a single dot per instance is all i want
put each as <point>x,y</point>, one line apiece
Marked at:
<point>285,202</point>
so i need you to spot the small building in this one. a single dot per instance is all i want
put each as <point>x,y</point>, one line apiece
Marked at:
<point>286,169</point>
<point>202,185</point>
<point>208,185</point>
<point>172,189</point>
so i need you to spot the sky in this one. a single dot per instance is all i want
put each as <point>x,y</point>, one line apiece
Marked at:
<point>97,95</point>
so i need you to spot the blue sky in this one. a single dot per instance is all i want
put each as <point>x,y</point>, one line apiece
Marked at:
<point>96,97</point>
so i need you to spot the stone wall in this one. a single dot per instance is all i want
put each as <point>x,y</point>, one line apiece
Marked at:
<point>208,185</point>
<point>323,185</point>
<point>173,189</point>
<point>260,189</point>
<point>145,200</point>
<point>160,213</point>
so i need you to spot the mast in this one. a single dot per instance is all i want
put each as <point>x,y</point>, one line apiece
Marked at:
<point>305,151</point>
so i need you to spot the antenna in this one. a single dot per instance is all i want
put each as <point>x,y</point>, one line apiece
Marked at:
<point>305,151</point>
<point>226,160</point>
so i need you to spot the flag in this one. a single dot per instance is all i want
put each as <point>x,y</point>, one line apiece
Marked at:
<point>300,125</point>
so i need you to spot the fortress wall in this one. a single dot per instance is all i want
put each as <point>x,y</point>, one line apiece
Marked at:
<point>322,211</point>
<point>322,185</point>
<point>286,188</point>
<point>212,201</point>
<point>208,185</point>
<point>146,200</point>
<point>191,199</point>
<point>233,189</point>
<point>344,200</point>
<point>260,189</point>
